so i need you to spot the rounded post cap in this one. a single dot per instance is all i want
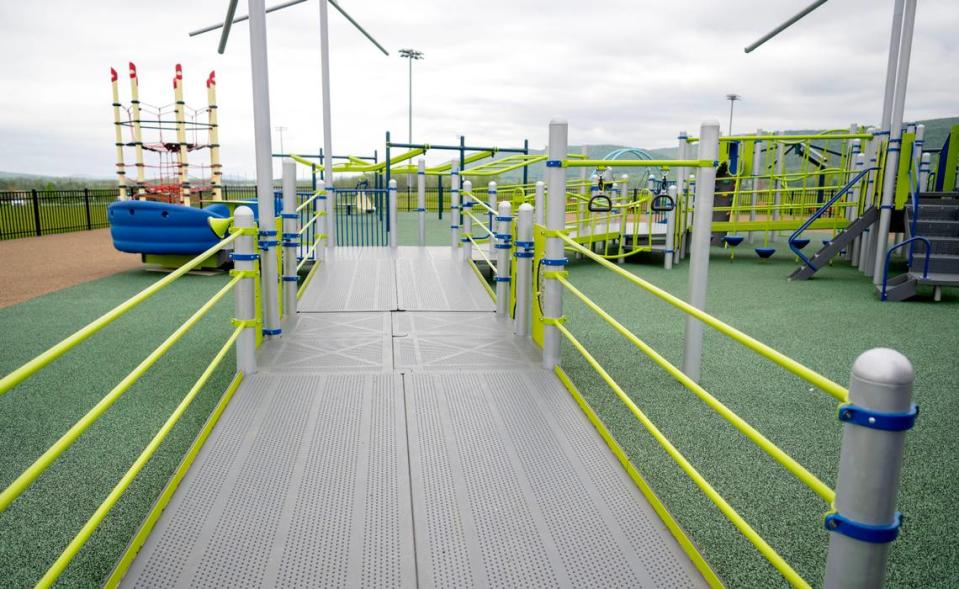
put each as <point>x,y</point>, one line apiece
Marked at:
<point>492,184</point>
<point>505,205</point>
<point>467,184</point>
<point>392,183</point>
<point>710,123</point>
<point>883,365</point>
<point>525,207</point>
<point>540,183</point>
<point>243,213</point>
<point>558,121</point>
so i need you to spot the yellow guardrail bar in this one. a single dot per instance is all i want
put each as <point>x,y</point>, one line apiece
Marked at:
<point>731,514</point>
<point>22,482</point>
<point>776,453</point>
<point>33,366</point>
<point>55,570</point>
<point>828,386</point>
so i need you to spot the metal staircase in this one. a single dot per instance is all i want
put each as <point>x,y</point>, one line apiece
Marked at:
<point>836,245</point>
<point>935,226</point>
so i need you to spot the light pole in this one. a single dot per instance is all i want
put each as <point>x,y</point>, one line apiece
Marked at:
<point>732,98</point>
<point>410,54</point>
<point>280,130</point>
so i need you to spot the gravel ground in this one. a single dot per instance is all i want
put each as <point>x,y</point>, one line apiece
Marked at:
<point>34,266</point>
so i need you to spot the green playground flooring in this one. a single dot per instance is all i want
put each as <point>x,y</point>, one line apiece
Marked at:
<point>825,323</point>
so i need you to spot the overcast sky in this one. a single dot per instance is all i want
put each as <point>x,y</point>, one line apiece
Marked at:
<point>623,72</point>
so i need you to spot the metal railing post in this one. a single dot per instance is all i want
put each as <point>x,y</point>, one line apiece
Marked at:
<point>670,231</point>
<point>421,200</point>
<point>539,203</point>
<point>876,419</point>
<point>244,259</point>
<point>755,184</point>
<point>699,248</point>
<point>454,207</point>
<point>492,200</point>
<point>391,196</point>
<point>86,206</point>
<point>504,239</point>
<point>467,221</point>
<point>624,200</point>
<point>290,242</point>
<point>555,221</point>
<point>36,211</point>
<point>524,269</point>
<point>320,229</point>
<point>856,201</point>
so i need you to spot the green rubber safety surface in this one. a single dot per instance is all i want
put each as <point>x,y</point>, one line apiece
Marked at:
<point>824,323</point>
<point>41,522</point>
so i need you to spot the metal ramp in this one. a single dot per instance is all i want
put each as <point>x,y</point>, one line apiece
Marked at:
<point>396,448</point>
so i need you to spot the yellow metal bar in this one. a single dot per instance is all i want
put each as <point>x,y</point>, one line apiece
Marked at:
<point>791,576</point>
<point>144,532</point>
<point>799,471</point>
<point>56,569</point>
<point>807,374</point>
<point>637,163</point>
<point>30,368</point>
<point>667,518</point>
<point>482,280</point>
<point>307,202</point>
<point>826,136</point>
<point>306,162</point>
<point>309,277</point>
<point>26,479</point>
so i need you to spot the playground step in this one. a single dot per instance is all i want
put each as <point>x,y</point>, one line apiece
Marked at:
<point>940,245</point>
<point>836,245</point>
<point>937,196</point>
<point>900,288</point>
<point>939,263</point>
<point>948,211</point>
<point>937,227</point>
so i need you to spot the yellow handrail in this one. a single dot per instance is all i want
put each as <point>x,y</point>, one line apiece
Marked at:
<point>57,568</point>
<point>828,386</point>
<point>776,453</point>
<point>731,514</point>
<point>33,366</point>
<point>22,482</point>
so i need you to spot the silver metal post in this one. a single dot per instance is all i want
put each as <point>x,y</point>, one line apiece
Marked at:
<point>327,127</point>
<point>524,269</point>
<point>290,243</point>
<point>391,196</point>
<point>870,460</point>
<point>859,195</point>
<point>539,203</point>
<point>504,238</point>
<point>555,221</point>
<point>244,256</point>
<point>683,190</point>
<point>670,232</point>
<point>895,141</point>
<point>892,64</point>
<point>780,171</point>
<point>866,241</point>
<point>699,248</point>
<point>454,207</point>
<point>264,167</point>
<point>754,186</point>
<point>467,221</point>
<point>421,199</point>
<point>623,200</point>
<point>924,171</point>
<point>491,200</point>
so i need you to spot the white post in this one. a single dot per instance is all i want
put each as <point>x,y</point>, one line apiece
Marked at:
<point>924,172</point>
<point>391,196</point>
<point>623,217</point>
<point>866,241</point>
<point>454,207</point>
<point>504,238</point>
<point>264,167</point>
<point>493,202</point>
<point>670,231</point>
<point>892,64</point>
<point>699,248</point>
<point>780,170</point>
<point>327,127</point>
<point>244,256</point>
<point>859,193</point>
<point>290,242</point>
<point>684,190</point>
<point>755,185</point>
<point>539,203</point>
<point>875,422</point>
<point>555,221</point>
<point>467,221</point>
<point>895,141</point>
<point>421,199</point>
<point>524,269</point>
<point>690,204</point>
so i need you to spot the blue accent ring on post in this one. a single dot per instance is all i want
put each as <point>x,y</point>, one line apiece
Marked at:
<point>890,422</point>
<point>272,331</point>
<point>420,210</point>
<point>504,218</point>
<point>524,254</point>
<point>454,226</point>
<point>267,233</point>
<point>267,244</point>
<point>526,244</point>
<point>554,163</point>
<point>554,261</point>
<point>244,257</point>
<point>503,246</point>
<point>291,278</point>
<point>289,215</point>
<point>502,279</point>
<point>873,534</point>
<point>293,236</point>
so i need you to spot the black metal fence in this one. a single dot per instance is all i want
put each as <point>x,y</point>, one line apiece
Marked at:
<point>27,213</point>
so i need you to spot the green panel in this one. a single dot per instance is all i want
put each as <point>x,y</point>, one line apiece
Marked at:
<point>902,176</point>
<point>952,160</point>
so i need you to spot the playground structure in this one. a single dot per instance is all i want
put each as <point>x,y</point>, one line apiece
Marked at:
<point>173,132</point>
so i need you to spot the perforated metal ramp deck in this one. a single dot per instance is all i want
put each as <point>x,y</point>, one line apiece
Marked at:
<point>380,449</point>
